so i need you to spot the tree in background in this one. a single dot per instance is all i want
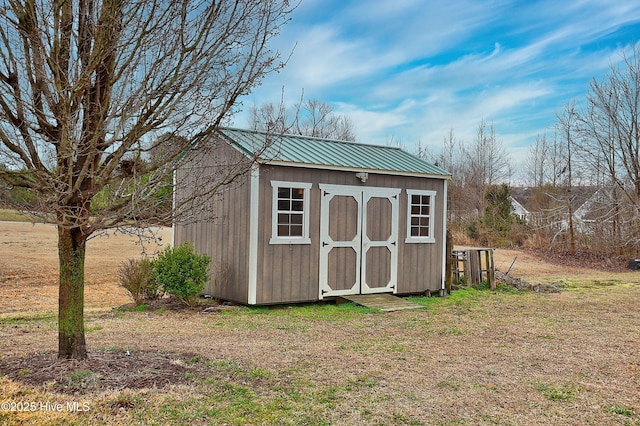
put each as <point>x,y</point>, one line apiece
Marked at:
<point>610,147</point>
<point>584,178</point>
<point>592,179</point>
<point>12,195</point>
<point>308,118</point>
<point>567,128</point>
<point>474,167</point>
<point>487,159</point>
<point>536,165</point>
<point>450,158</point>
<point>87,87</point>
<point>485,163</point>
<point>497,226</point>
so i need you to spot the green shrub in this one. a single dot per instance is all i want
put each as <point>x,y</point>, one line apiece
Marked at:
<point>181,272</point>
<point>136,276</point>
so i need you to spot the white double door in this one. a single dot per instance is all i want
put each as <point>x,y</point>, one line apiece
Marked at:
<point>358,240</point>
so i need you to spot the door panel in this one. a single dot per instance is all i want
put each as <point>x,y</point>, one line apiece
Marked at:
<point>340,240</point>
<point>380,242</point>
<point>344,221</point>
<point>377,268</point>
<point>379,219</point>
<point>343,270</point>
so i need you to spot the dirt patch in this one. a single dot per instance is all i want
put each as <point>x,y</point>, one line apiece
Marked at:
<point>103,371</point>
<point>541,264</point>
<point>524,285</point>
<point>173,304</point>
<point>584,259</point>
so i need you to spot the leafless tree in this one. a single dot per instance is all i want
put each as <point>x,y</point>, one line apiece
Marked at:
<point>460,197</point>
<point>88,86</point>
<point>546,162</point>
<point>486,156</point>
<point>485,163</point>
<point>307,117</point>
<point>557,160</point>
<point>463,205</point>
<point>610,126</point>
<point>535,164</point>
<point>567,128</point>
<point>424,152</point>
<point>451,154</point>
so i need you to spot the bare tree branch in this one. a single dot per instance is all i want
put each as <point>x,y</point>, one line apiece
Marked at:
<point>87,89</point>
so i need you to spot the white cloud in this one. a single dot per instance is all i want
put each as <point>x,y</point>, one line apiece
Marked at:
<point>413,69</point>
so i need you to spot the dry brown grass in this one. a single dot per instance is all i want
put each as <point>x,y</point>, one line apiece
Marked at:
<point>569,358</point>
<point>29,267</point>
<point>528,265</point>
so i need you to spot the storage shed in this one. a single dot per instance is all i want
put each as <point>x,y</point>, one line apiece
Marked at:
<point>318,218</point>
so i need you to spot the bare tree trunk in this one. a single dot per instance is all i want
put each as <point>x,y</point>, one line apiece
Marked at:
<point>71,255</point>
<point>567,121</point>
<point>572,234</point>
<point>616,222</point>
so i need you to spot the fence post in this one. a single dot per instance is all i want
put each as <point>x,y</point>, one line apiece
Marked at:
<point>449,264</point>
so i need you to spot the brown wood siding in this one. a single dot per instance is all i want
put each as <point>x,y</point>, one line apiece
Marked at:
<point>285,273</point>
<point>224,235</point>
<point>420,264</point>
<point>289,273</point>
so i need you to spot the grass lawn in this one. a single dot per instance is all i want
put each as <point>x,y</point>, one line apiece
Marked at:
<point>476,357</point>
<point>13,216</point>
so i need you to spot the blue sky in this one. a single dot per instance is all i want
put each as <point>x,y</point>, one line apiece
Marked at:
<point>409,70</point>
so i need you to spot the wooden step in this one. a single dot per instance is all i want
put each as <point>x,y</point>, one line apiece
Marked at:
<point>383,301</point>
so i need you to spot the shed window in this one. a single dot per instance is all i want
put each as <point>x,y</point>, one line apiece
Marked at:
<point>290,213</point>
<point>420,208</point>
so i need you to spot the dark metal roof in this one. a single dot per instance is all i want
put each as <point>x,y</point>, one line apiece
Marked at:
<point>305,151</point>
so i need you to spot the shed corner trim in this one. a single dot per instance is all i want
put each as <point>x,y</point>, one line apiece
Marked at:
<point>253,234</point>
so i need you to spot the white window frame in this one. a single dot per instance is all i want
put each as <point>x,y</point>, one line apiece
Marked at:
<point>432,204</point>
<point>304,238</point>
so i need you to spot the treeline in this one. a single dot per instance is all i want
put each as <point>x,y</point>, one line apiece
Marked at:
<point>131,175</point>
<point>580,183</point>
<point>12,195</point>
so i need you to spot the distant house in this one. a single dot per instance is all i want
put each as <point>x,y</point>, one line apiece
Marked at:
<point>518,210</point>
<point>600,208</point>
<point>318,218</point>
<point>549,207</point>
